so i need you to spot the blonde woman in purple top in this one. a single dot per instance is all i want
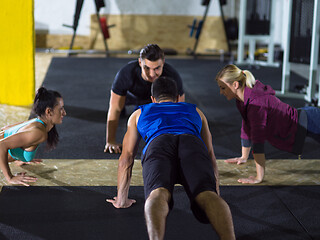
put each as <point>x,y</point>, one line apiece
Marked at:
<point>265,118</point>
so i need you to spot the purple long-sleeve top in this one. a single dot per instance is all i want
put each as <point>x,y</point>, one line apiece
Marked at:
<point>265,117</point>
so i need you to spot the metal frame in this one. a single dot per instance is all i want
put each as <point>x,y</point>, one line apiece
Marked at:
<point>253,39</point>
<point>314,68</point>
<point>78,9</point>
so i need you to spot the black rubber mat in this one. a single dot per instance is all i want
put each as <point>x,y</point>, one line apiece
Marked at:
<point>259,213</point>
<point>85,85</point>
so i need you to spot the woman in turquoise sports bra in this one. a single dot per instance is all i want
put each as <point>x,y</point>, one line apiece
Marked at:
<point>20,141</point>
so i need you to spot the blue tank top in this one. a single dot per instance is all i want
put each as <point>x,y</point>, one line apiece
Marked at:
<point>19,153</point>
<point>168,118</point>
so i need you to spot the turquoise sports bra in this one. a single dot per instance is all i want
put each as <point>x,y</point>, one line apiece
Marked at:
<point>19,153</point>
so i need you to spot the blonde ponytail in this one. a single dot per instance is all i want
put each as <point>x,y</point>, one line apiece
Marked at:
<point>250,80</point>
<point>231,73</point>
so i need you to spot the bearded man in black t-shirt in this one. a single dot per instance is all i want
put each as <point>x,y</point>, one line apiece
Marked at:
<point>132,86</point>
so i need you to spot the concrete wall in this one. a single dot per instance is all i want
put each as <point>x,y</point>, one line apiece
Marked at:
<point>175,14</point>
<point>50,15</point>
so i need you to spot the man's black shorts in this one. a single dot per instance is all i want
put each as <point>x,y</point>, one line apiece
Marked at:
<point>182,159</point>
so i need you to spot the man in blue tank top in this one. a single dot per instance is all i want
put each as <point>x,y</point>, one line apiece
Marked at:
<point>178,150</point>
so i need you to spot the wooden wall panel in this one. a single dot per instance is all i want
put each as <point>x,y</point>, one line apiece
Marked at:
<point>135,31</point>
<point>132,32</point>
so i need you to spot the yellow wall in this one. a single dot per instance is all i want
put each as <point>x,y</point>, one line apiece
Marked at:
<point>17,52</point>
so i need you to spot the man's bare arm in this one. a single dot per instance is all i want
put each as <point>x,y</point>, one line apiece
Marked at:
<point>116,105</point>
<point>126,161</point>
<point>207,138</point>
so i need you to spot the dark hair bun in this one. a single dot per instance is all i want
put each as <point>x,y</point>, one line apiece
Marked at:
<point>41,92</point>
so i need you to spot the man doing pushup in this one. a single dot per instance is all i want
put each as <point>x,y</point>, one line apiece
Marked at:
<point>178,150</point>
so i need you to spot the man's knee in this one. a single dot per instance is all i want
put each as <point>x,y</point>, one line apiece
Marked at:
<point>159,194</point>
<point>206,197</point>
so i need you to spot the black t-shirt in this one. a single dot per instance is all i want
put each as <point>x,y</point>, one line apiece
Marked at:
<point>129,79</point>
